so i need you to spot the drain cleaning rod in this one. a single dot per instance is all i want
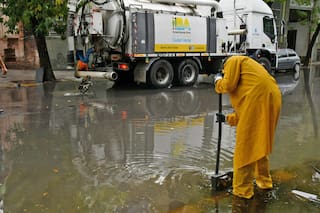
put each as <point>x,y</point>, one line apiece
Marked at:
<point>219,134</point>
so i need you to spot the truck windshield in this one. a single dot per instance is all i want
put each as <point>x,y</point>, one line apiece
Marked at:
<point>268,28</point>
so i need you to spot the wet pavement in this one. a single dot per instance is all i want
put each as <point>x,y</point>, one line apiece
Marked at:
<point>132,149</point>
<point>16,78</point>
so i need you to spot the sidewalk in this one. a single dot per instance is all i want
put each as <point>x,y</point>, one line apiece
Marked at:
<point>17,77</point>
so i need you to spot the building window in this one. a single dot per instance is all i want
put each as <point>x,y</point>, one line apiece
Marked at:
<point>299,15</point>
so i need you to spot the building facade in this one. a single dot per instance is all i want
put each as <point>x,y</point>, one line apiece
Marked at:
<point>294,26</point>
<point>18,50</point>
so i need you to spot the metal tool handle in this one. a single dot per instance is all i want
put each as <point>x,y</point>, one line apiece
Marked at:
<point>219,135</point>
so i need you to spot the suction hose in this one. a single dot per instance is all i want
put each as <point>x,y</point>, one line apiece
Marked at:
<point>110,75</point>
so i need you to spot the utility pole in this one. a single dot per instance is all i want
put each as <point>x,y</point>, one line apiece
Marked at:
<point>284,20</point>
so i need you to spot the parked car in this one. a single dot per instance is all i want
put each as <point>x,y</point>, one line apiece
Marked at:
<point>289,60</point>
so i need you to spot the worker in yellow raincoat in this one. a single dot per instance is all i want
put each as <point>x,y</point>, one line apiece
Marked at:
<point>256,100</point>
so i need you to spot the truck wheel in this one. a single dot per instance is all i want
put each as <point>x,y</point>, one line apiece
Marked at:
<point>267,65</point>
<point>188,72</point>
<point>296,72</point>
<point>161,74</point>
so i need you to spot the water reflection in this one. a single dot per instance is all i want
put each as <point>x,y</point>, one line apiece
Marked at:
<point>299,122</point>
<point>307,73</point>
<point>153,137</point>
<point>135,150</point>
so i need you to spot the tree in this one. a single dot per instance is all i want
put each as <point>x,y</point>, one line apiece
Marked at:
<point>38,18</point>
<point>315,25</point>
<point>313,21</point>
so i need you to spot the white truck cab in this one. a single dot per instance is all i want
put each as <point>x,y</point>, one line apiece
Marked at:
<point>251,27</point>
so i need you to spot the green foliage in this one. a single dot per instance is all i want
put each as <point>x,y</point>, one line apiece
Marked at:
<point>37,16</point>
<point>301,16</point>
<point>303,2</point>
<point>300,2</point>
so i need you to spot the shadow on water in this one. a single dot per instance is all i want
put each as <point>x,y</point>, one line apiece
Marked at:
<point>140,150</point>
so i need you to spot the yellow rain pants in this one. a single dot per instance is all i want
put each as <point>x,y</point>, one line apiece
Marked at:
<point>256,100</point>
<point>243,178</point>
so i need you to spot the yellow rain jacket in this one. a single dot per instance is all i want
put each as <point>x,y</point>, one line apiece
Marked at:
<point>256,99</point>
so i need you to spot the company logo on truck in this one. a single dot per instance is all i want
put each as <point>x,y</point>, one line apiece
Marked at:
<point>181,25</point>
<point>179,33</point>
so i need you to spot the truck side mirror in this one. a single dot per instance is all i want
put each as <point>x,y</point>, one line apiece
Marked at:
<point>282,27</point>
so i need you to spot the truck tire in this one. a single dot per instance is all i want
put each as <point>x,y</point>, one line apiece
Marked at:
<point>161,74</point>
<point>267,64</point>
<point>188,71</point>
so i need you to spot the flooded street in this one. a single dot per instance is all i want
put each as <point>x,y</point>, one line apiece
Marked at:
<point>135,150</point>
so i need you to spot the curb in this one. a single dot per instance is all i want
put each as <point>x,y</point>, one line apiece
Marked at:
<point>27,78</point>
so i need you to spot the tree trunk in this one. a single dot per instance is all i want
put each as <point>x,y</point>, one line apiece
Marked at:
<point>311,44</point>
<point>48,74</point>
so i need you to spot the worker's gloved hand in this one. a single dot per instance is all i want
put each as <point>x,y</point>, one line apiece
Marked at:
<point>217,77</point>
<point>220,117</point>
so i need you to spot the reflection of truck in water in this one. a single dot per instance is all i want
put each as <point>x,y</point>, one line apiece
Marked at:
<point>161,43</point>
<point>156,131</point>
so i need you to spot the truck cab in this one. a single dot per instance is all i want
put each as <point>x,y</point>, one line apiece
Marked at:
<point>251,28</point>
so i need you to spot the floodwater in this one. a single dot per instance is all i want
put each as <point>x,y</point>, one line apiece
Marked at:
<point>136,150</point>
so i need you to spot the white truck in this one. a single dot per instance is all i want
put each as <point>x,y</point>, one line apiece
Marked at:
<point>251,28</point>
<point>164,42</point>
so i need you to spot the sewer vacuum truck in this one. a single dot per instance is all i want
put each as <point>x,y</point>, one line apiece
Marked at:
<point>155,42</point>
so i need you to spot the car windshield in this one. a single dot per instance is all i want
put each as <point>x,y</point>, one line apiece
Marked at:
<point>291,52</point>
<point>282,53</point>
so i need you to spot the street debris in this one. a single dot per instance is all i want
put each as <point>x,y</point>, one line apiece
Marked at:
<point>316,169</point>
<point>308,196</point>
